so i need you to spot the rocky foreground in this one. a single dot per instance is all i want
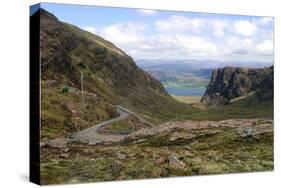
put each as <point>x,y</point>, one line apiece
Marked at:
<point>172,149</point>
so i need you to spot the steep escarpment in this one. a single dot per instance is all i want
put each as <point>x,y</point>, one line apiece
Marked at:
<point>72,57</point>
<point>231,84</point>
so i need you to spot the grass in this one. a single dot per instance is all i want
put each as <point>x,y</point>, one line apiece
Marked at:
<point>120,127</point>
<point>111,77</point>
<point>187,99</point>
<point>125,126</point>
<point>57,119</point>
<point>246,108</point>
<point>217,153</point>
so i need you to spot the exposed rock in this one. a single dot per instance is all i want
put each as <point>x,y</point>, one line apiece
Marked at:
<point>181,135</point>
<point>194,142</point>
<point>121,156</point>
<point>64,155</point>
<point>245,131</point>
<point>230,84</point>
<point>264,128</point>
<point>92,143</point>
<point>57,143</point>
<point>161,160</point>
<point>65,150</point>
<point>251,131</point>
<point>176,163</point>
<point>140,140</point>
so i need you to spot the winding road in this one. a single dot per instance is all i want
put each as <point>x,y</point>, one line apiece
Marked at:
<point>91,134</point>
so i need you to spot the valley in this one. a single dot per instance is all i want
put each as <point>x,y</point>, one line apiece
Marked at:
<point>148,121</point>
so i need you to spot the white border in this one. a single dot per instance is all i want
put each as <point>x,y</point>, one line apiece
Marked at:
<point>14,75</point>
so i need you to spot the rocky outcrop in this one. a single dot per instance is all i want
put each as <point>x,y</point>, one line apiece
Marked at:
<point>231,84</point>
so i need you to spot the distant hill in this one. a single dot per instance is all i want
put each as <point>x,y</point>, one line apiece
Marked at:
<point>231,84</point>
<point>189,73</point>
<point>181,78</point>
<point>192,64</point>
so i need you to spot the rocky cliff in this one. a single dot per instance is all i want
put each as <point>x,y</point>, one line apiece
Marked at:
<point>230,84</point>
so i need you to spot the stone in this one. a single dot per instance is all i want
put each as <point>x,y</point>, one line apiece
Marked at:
<point>140,140</point>
<point>64,155</point>
<point>194,142</point>
<point>57,143</point>
<point>245,131</point>
<point>161,160</point>
<point>180,135</point>
<point>176,163</point>
<point>65,150</point>
<point>92,143</point>
<point>121,156</point>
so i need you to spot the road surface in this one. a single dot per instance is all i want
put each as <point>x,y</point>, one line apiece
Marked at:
<point>91,134</point>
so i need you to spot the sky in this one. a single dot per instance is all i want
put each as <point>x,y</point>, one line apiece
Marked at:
<point>154,34</point>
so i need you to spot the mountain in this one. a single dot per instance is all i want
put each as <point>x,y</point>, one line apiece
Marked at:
<point>231,84</point>
<point>179,76</point>
<point>192,64</point>
<point>179,79</point>
<point>189,73</point>
<point>71,57</point>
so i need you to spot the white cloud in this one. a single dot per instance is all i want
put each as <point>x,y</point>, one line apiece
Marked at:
<point>180,24</point>
<point>91,29</point>
<point>245,28</point>
<point>266,46</point>
<point>238,46</point>
<point>197,45</point>
<point>179,37</point>
<point>265,21</point>
<point>219,26</point>
<point>124,33</point>
<point>197,26</point>
<point>146,12</point>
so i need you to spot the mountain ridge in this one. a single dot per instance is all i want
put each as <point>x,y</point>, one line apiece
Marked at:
<point>230,84</point>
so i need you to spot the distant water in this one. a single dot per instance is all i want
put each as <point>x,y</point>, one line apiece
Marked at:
<point>186,91</point>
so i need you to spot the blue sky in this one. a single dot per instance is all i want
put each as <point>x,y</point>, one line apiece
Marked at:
<point>152,34</point>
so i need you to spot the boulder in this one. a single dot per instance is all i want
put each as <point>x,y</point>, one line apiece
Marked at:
<point>174,162</point>
<point>161,160</point>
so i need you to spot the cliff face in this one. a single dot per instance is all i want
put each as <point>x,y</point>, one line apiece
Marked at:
<point>230,84</point>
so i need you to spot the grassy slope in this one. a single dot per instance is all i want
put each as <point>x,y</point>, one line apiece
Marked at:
<point>213,153</point>
<point>246,108</point>
<point>188,99</point>
<point>57,118</point>
<point>108,72</point>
